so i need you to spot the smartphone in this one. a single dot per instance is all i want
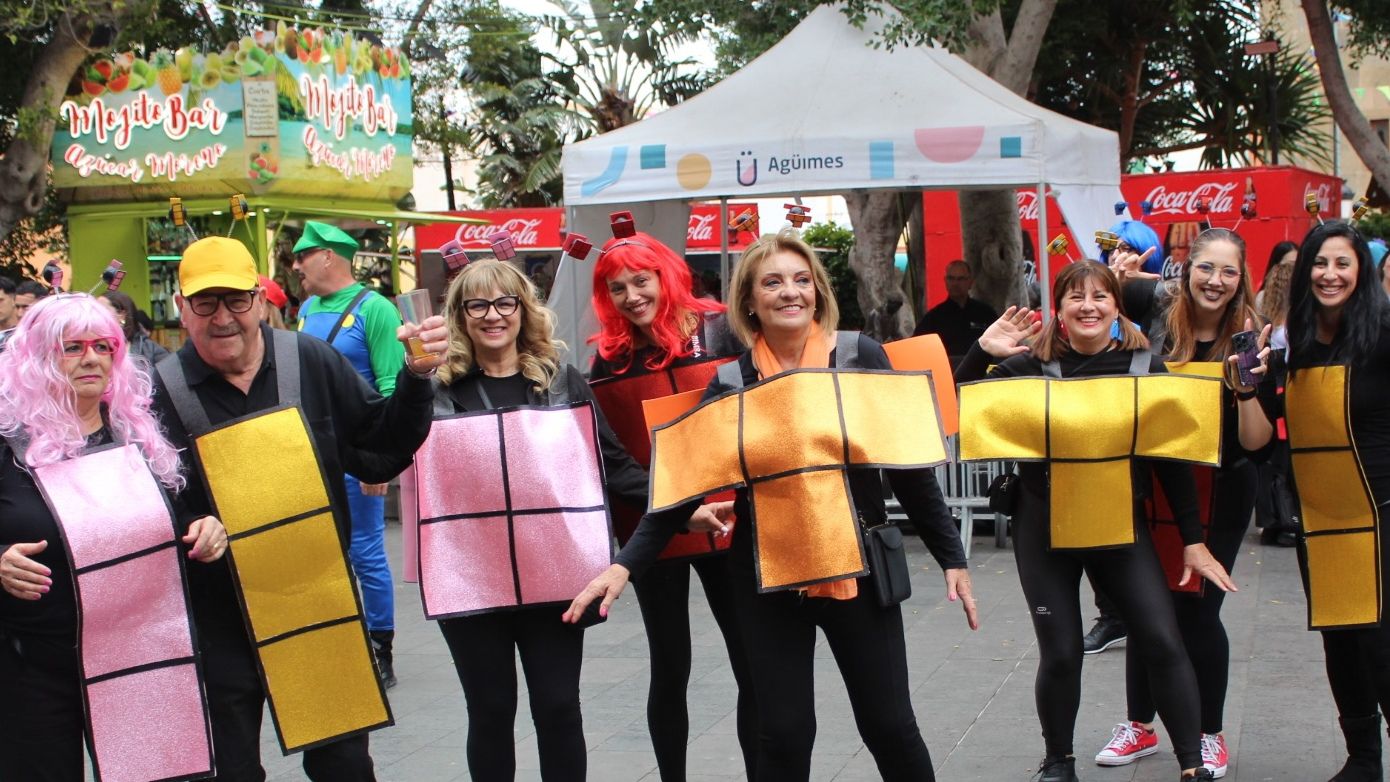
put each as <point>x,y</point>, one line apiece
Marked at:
<point>1246,346</point>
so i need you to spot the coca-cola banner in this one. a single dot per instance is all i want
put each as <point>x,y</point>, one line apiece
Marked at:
<point>532,229</point>
<point>703,233</point>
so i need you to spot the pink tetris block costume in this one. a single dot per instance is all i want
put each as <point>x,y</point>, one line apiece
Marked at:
<point>512,509</point>
<point>140,676</point>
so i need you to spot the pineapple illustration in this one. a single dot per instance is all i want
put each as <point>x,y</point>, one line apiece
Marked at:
<point>170,80</point>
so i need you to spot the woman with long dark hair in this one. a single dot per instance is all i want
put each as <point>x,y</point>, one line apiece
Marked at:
<point>1338,419</point>
<point>1199,314</point>
<point>649,323</point>
<point>1078,342</point>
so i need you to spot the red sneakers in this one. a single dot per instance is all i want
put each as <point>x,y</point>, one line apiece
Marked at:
<point>1129,742</point>
<point>1214,755</point>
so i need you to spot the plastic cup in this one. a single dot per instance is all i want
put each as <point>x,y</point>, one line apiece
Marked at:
<point>415,306</point>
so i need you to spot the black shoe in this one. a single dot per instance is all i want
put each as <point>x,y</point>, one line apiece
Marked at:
<point>381,648</point>
<point>1362,735</point>
<point>1202,775</point>
<point>1057,770</point>
<point>1109,630</point>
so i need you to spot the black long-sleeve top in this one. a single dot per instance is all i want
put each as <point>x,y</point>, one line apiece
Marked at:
<point>1176,477</point>
<point>916,489</point>
<point>353,427</point>
<point>714,339</point>
<point>624,478</point>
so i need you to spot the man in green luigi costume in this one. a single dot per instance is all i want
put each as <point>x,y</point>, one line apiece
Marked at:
<point>361,324</point>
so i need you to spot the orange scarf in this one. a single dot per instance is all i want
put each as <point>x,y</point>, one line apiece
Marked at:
<point>816,354</point>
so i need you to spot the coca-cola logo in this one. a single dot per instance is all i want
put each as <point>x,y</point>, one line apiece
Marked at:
<point>1324,195</point>
<point>525,233</point>
<point>1028,206</point>
<point>701,228</point>
<point>1221,196</point>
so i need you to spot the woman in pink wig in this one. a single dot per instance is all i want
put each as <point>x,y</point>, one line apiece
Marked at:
<point>68,386</point>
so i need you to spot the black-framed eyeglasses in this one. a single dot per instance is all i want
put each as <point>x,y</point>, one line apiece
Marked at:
<point>477,308</point>
<point>205,304</point>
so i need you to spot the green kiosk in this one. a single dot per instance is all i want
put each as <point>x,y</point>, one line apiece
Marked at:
<point>301,123</point>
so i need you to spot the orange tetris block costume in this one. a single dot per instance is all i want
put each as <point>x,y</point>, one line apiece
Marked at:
<point>1089,429</point>
<point>789,440</point>
<point>1340,522</point>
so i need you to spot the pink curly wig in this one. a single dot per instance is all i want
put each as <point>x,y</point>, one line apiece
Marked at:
<point>677,315</point>
<point>36,398</point>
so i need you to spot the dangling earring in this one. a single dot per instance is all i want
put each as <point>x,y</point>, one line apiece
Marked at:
<point>1062,328</point>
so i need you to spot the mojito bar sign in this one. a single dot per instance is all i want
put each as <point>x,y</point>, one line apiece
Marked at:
<point>295,111</point>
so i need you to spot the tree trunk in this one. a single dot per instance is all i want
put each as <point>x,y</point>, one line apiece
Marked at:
<point>878,223</point>
<point>1353,123</point>
<point>24,167</point>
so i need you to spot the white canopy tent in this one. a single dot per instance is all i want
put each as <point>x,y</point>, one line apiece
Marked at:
<point>824,112</point>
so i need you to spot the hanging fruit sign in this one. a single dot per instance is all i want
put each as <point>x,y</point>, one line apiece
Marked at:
<point>294,111</point>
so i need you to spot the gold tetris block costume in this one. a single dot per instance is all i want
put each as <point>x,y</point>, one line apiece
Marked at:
<point>1089,429</point>
<point>790,439</point>
<point>1340,521</point>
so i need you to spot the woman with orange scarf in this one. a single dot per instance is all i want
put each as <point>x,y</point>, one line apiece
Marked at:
<point>782,306</point>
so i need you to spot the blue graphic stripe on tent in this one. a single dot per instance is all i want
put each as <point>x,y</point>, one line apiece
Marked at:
<point>617,161</point>
<point>880,160</point>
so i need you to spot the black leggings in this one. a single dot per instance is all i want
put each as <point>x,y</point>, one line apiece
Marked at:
<point>1199,615</point>
<point>1358,668</point>
<point>1134,579</point>
<point>779,630</point>
<point>663,593</point>
<point>484,649</point>
<point>41,723</point>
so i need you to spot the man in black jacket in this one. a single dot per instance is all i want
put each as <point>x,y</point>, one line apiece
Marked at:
<point>234,368</point>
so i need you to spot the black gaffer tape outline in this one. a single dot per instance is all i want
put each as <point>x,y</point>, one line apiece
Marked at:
<point>709,367</point>
<point>241,596</point>
<point>1373,528</point>
<point>195,657</point>
<point>510,513</point>
<point>843,467</point>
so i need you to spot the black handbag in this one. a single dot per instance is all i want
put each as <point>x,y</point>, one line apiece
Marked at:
<point>1003,494</point>
<point>888,564</point>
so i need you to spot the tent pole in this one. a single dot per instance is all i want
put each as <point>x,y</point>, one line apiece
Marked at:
<point>1045,258</point>
<point>724,249</point>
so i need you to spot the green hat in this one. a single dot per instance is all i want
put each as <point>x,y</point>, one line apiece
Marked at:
<point>318,235</point>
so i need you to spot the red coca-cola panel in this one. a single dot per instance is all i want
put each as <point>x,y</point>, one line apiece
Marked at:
<point>1175,199</point>
<point>532,229</point>
<point>703,233</point>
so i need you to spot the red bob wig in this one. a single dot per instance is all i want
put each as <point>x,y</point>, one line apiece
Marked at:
<point>678,313</point>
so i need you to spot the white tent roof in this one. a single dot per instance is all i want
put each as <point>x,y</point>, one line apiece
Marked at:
<point>823,111</point>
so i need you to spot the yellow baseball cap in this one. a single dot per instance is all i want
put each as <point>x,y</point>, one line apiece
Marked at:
<point>217,262</point>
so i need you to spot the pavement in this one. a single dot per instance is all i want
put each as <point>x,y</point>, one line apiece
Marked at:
<point>973,691</point>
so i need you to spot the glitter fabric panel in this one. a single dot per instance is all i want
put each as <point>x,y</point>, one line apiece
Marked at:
<point>1211,369</point>
<point>133,613</point>
<point>892,419</point>
<point>293,576</point>
<point>1003,419</point>
<point>620,399</point>
<point>696,454</point>
<point>657,412</point>
<point>108,503</point>
<point>466,565</point>
<point>1342,575</point>
<point>552,461</point>
<point>253,470</point>
<point>1091,418</point>
<point>928,353</point>
<point>806,531</point>
<point>792,424</point>
<point>460,467</point>
<point>1092,504</point>
<point>150,725</point>
<point>324,684</point>
<point>1330,491</point>
<point>558,554</point>
<point>1316,409</point>
<point>1164,527</point>
<point>1180,418</point>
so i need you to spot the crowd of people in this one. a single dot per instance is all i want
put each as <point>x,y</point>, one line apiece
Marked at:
<point>80,376</point>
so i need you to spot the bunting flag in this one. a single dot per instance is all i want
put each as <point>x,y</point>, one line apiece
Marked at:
<point>790,440</point>
<point>1340,521</point>
<point>1088,430</point>
<point>513,510</point>
<point>141,680</point>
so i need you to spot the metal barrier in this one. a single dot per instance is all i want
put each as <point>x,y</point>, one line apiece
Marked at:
<point>964,485</point>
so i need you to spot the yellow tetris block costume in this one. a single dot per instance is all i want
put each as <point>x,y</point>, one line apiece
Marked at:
<point>1089,429</point>
<point>301,605</point>
<point>789,439</point>
<point>1340,521</point>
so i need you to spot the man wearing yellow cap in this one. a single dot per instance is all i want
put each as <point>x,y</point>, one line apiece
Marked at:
<point>270,421</point>
<point>361,324</point>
